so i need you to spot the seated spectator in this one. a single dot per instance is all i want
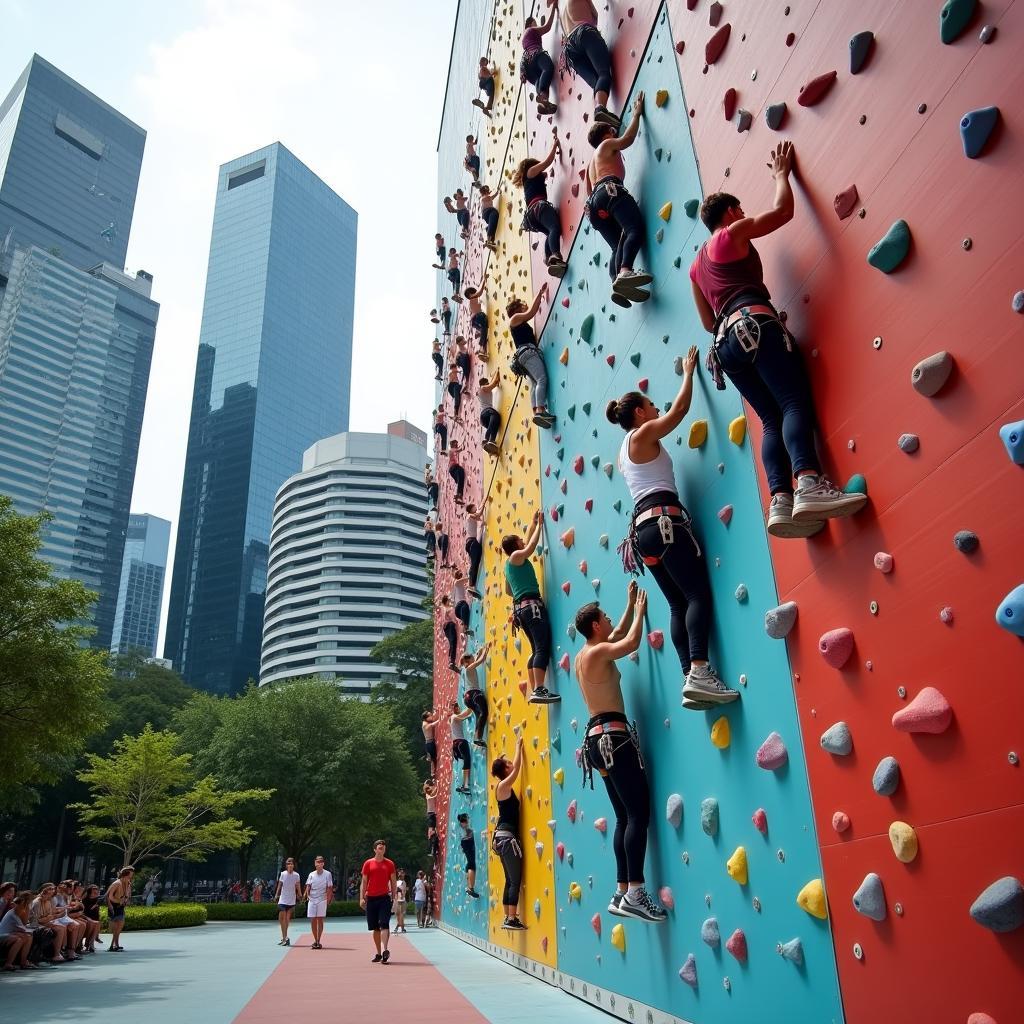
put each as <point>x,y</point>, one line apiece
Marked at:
<point>7,893</point>
<point>15,934</point>
<point>91,909</point>
<point>75,927</point>
<point>43,915</point>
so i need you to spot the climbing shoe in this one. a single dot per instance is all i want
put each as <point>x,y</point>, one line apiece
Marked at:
<point>464,790</point>
<point>491,448</point>
<point>556,266</point>
<point>543,419</point>
<point>515,925</point>
<point>620,300</point>
<point>633,281</point>
<point>703,684</point>
<point>542,695</point>
<point>479,743</point>
<point>698,705</point>
<point>473,893</point>
<point>781,523</point>
<point>546,107</point>
<point>818,498</point>
<point>474,593</point>
<point>615,902</point>
<point>641,906</point>
<point>602,115</point>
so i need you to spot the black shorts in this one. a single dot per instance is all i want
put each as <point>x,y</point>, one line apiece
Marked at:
<point>431,819</point>
<point>378,913</point>
<point>469,852</point>
<point>460,751</point>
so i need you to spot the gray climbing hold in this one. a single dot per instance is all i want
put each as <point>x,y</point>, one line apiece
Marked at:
<point>837,739</point>
<point>792,951</point>
<point>744,118</point>
<point>570,631</point>
<point>886,779</point>
<point>674,810</point>
<point>1000,908</point>
<point>1017,302</point>
<point>928,377</point>
<point>986,34</point>
<point>774,114</point>
<point>678,366</point>
<point>780,620</point>
<point>909,443</point>
<point>860,48</point>
<point>709,816</point>
<point>869,899</point>
<point>891,249</point>
<point>741,593</point>
<point>710,933</point>
<point>966,541</point>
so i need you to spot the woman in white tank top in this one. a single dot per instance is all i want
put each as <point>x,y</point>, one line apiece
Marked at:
<point>661,534</point>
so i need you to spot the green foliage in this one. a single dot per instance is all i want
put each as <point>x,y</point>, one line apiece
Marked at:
<point>51,688</point>
<point>268,911</point>
<point>167,915</point>
<point>410,650</point>
<point>146,801</point>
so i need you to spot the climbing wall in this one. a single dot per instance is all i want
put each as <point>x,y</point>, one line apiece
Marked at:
<point>883,640</point>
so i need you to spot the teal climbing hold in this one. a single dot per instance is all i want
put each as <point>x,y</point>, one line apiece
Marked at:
<point>709,816</point>
<point>1012,435</point>
<point>571,412</point>
<point>975,128</point>
<point>587,328</point>
<point>1010,613</point>
<point>556,740</point>
<point>559,454</point>
<point>856,485</point>
<point>586,408</point>
<point>658,153</point>
<point>891,250</point>
<point>617,504</point>
<point>595,461</point>
<point>677,262</point>
<point>691,206</point>
<point>635,358</point>
<point>954,18</point>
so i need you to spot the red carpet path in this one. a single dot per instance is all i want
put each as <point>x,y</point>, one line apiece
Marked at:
<point>339,983</point>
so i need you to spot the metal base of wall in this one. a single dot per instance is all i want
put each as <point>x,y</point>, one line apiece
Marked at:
<point>613,1003</point>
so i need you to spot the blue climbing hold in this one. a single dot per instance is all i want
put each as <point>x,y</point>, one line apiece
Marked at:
<point>860,49</point>
<point>587,328</point>
<point>792,951</point>
<point>1000,908</point>
<point>966,541</point>
<point>891,249</point>
<point>869,899</point>
<point>975,128</point>
<point>954,17</point>
<point>1013,437</point>
<point>836,739</point>
<point>1010,613</point>
<point>886,778</point>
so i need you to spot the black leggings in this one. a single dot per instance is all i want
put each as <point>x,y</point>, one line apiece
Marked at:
<point>442,432</point>
<point>432,492</point>
<point>455,277</point>
<point>473,164</point>
<point>490,216</point>
<point>589,58</point>
<point>487,84</point>
<point>617,218</point>
<point>462,612</point>
<point>463,363</point>
<point>626,782</point>
<point>442,546</point>
<point>455,390</point>
<point>533,620</point>
<point>540,70</point>
<point>476,700</point>
<point>475,550</point>
<point>451,634</point>
<point>682,575</point>
<point>458,474</point>
<point>491,422</point>
<point>462,216</point>
<point>438,362</point>
<point>542,217</point>
<point>428,536</point>
<point>479,324</point>
<point>507,847</point>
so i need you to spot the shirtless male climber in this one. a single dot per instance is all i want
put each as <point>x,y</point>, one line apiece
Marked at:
<point>585,53</point>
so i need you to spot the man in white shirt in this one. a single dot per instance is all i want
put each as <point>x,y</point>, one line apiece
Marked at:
<point>419,892</point>
<point>319,892</point>
<point>289,886</point>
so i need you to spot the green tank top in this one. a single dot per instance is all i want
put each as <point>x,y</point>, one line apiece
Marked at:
<point>521,579</point>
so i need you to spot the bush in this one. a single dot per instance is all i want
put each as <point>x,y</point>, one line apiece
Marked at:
<point>268,911</point>
<point>167,915</point>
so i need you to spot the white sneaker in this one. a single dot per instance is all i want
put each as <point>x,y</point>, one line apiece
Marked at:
<point>643,907</point>
<point>631,284</point>
<point>615,903</point>
<point>781,523</point>
<point>703,684</point>
<point>819,498</point>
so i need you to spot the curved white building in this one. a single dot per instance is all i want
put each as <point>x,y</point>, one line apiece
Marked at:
<point>346,558</point>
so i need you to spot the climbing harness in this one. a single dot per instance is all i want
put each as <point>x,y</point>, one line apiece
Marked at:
<point>532,606</point>
<point>747,330</point>
<point>613,732</point>
<point>633,560</point>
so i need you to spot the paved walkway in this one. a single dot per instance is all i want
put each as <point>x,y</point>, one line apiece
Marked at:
<point>234,972</point>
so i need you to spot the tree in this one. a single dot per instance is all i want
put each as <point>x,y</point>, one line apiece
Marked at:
<point>51,687</point>
<point>146,801</point>
<point>410,650</point>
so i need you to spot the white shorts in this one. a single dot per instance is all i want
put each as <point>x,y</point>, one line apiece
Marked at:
<point>317,908</point>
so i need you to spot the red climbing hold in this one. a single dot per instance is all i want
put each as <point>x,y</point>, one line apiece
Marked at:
<point>815,89</point>
<point>790,39</point>
<point>680,46</point>
<point>575,190</point>
<point>760,820</point>
<point>716,44</point>
<point>565,302</point>
<point>642,384</point>
<point>656,638</point>
<point>729,103</point>
<point>563,662</point>
<point>522,687</point>
<point>725,514</point>
<point>690,4</point>
<point>554,513</point>
<point>577,465</point>
<point>610,360</point>
<point>566,587</point>
<point>737,945</point>
<point>845,202</point>
<point>589,504</point>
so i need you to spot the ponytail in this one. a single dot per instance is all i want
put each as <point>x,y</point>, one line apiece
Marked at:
<point>623,410</point>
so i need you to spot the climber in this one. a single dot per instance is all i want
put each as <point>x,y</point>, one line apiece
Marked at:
<point>454,277</point>
<point>439,248</point>
<point>431,485</point>
<point>463,360</point>
<point>475,550</point>
<point>460,745</point>
<point>505,841</point>
<point>612,746</point>
<point>485,79</point>
<point>446,317</point>
<point>585,53</point>
<point>756,352</point>
<point>541,216</point>
<point>474,696</point>
<point>490,418</point>
<point>468,844</point>
<point>456,203</point>
<point>528,610</point>
<point>430,796</point>
<point>489,212</point>
<point>442,544</point>
<point>613,212</point>
<point>435,354</point>
<point>661,534</point>
<point>450,629</point>
<point>429,720</point>
<point>536,65</point>
<point>472,160</point>
<point>474,294</point>
<point>441,428</point>
<point>460,604</point>
<point>455,387</point>
<point>455,470</point>
<point>527,359</point>
<point>430,538</point>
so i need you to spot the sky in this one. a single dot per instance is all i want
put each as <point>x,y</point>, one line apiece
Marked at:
<point>359,101</point>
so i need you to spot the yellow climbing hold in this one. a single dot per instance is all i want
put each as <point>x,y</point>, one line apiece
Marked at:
<point>619,938</point>
<point>738,430</point>
<point>559,775</point>
<point>736,865</point>
<point>720,735</point>
<point>564,357</point>
<point>904,841</point>
<point>665,213</point>
<point>812,899</point>
<point>575,891</point>
<point>698,433</point>
<point>661,97</point>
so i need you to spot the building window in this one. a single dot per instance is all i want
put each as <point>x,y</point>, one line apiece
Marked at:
<point>247,174</point>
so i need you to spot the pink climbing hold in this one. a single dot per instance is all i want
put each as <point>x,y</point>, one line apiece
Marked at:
<point>840,821</point>
<point>656,638</point>
<point>563,662</point>
<point>583,567</point>
<point>836,646</point>
<point>588,505</point>
<point>544,943</point>
<point>610,360</point>
<point>772,754</point>
<point>980,1018</point>
<point>570,812</point>
<point>815,89</point>
<point>883,562</point>
<point>725,514</point>
<point>642,384</point>
<point>566,587</point>
<point>554,513</point>
<point>668,901</point>
<point>560,850</point>
<point>946,615</point>
<point>595,923</point>
<point>929,711</point>
<point>729,103</point>
<point>565,302</point>
<point>760,820</point>
<point>601,824</point>
<point>522,687</point>
<point>737,945</point>
<point>716,44</point>
<point>577,464</point>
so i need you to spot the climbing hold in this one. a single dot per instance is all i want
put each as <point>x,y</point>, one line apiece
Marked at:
<point>714,14</point>
<point>1000,908</point>
<point>563,662</point>
<point>774,115</point>
<point>688,972</point>
<point>601,824</point>
<point>772,754</point>
<point>980,1018</point>
<point>725,514</point>
<point>619,938</point>
<point>883,562</point>
<point>869,899</point>
<point>608,468</point>
<point>659,235</point>
<point>1010,613</point>
<point>674,809</point>
<point>1017,302</point>
<point>729,103</point>
<point>930,374</point>
<point>635,358</point>
<point>737,945</point>
<point>891,249</point>
<point>577,465</point>
<point>1012,436</point>
<point>780,620</point>
<point>860,49</point>
<point>792,951</point>
<point>946,615</point>
<point>840,821</point>
<point>575,891</point>
<point>909,443</point>
<point>565,302</point>
<point>691,206</point>
<point>856,485</point>
<point>559,776</point>
<point>709,816</point>
<point>587,328</point>
<point>886,777</point>
<point>929,711</point>
<point>744,118</point>
<point>564,357</point>
<point>583,567</point>
<point>966,542</point>
<point>698,433</point>
<point>709,932</point>
<point>539,847</point>
<point>536,908</point>
<point>570,811</point>
<point>716,44</point>
<point>815,89</point>
<point>836,739</point>
<point>904,841</point>
<point>642,385</point>
<point>656,638</point>
<point>760,820</point>
<point>566,587</point>
<point>667,898</point>
<point>595,923</point>
<point>738,430</point>
<point>741,593</point>
<point>954,17</point>
<point>736,865</point>
<point>836,646</point>
<point>571,412</point>
<point>720,734</point>
<point>658,154</point>
<point>845,202</point>
<point>661,97</point>
<point>603,539</point>
<point>569,537</point>
<point>665,213</point>
<point>812,899</point>
<point>975,128</point>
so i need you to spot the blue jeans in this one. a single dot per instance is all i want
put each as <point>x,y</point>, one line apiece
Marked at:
<point>773,380</point>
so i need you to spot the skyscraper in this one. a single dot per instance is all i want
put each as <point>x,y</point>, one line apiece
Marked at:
<point>137,616</point>
<point>272,377</point>
<point>76,332</point>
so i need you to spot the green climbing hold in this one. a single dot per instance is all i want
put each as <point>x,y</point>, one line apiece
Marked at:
<point>677,262</point>
<point>856,485</point>
<point>586,408</point>
<point>571,412</point>
<point>587,328</point>
<point>954,17</point>
<point>664,339</point>
<point>658,154</point>
<point>691,206</point>
<point>617,504</point>
<point>635,358</point>
<point>891,250</point>
<point>595,461</point>
<point>559,453</point>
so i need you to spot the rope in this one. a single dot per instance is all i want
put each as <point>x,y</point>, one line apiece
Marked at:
<point>501,442</point>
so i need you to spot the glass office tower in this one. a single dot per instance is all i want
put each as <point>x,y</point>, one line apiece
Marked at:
<point>137,618</point>
<point>272,377</point>
<point>76,332</point>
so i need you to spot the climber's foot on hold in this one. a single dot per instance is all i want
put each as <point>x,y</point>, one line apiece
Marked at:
<point>542,695</point>
<point>818,498</point>
<point>620,300</point>
<point>632,284</point>
<point>782,524</point>
<point>698,705</point>
<point>602,115</point>
<point>513,924</point>
<point>556,266</point>
<point>543,418</point>
<point>702,684</point>
<point>491,448</point>
<point>638,903</point>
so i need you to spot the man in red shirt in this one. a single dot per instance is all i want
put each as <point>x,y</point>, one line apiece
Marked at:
<point>377,888</point>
